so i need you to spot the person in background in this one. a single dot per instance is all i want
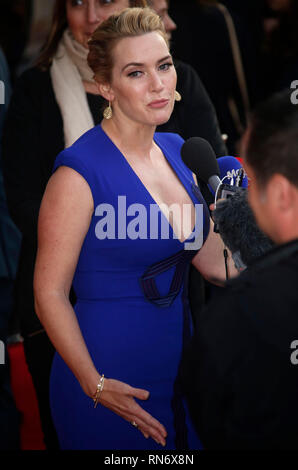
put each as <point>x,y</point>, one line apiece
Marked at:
<point>278,66</point>
<point>240,372</point>
<point>9,247</point>
<point>195,114</point>
<point>204,41</point>
<point>15,23</point>
<point>39,30</point>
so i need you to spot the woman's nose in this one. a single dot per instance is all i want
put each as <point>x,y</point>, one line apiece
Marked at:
<point>156,82</point>
<point>93,15</point>
<point>170,25</point>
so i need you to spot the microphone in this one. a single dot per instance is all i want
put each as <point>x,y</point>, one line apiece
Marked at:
<point>199,157</point>
<point>233,217</point>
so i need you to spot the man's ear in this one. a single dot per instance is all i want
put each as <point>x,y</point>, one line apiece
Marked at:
<point>105,91</point>
<point>281,192</point>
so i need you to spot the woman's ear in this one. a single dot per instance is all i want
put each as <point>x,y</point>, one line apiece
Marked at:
<point>105,91</point>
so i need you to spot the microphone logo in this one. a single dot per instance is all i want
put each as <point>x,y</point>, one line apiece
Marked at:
<point>232,175</point>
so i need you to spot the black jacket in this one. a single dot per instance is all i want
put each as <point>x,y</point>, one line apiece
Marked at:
<point>239,378</point>
<point>33,137</point>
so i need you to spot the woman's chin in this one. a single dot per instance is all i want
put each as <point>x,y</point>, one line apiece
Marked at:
<point>162,119</point>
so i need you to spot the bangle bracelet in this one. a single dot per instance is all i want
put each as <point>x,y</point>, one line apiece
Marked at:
<point>99,389</point>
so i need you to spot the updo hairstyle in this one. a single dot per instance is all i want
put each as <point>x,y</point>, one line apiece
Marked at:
<point>130,22</point>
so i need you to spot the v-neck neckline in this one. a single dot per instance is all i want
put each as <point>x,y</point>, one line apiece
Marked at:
<point>140,182</point>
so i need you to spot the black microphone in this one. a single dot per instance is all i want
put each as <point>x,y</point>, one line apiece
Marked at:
<point>199,157</point>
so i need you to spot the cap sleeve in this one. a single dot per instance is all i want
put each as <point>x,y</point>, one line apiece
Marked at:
<point>71,160</point>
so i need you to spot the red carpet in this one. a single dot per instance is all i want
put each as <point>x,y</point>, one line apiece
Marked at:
<point>25,398</point>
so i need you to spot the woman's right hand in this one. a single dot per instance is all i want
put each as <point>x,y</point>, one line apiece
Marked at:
<point>120,398</point>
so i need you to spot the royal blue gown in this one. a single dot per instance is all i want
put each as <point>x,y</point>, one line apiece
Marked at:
<point>131,304</point>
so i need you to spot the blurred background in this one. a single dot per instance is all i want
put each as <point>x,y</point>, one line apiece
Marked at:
<point>265,33</point>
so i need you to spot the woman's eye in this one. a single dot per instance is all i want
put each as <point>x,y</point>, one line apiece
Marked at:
<point>136,73</point>
<point>166,66</point>
<point>106,2</point>
<point>76,3</point>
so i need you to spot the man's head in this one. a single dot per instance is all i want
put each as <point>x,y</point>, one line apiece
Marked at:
<point>270,147</point>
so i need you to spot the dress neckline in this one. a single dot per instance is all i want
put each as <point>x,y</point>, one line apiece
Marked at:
<point>174,168</point>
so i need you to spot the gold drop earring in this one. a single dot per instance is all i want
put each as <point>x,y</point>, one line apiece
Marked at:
<point>108,112</point>
<point>178,97</point>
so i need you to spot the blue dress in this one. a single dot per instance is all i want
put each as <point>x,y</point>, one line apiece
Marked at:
<point>130,306</point>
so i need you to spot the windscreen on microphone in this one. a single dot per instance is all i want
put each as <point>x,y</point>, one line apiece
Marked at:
<point>199,157</point>
<point>238,228</point>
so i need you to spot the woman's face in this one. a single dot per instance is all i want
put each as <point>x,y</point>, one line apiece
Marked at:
<point>84,16</point>
<point>143,80</point>
<point>161,8</point>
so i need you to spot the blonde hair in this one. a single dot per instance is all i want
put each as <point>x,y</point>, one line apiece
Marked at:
<point>130,22</point>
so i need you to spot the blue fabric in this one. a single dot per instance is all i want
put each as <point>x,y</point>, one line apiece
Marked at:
<point>129,338</point>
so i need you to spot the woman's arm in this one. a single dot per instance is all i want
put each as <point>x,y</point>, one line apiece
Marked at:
<point>210,259</point>
<point>63,223</point>
<point>64,219</point>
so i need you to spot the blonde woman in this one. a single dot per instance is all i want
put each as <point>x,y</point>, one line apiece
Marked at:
<point>115,378</point>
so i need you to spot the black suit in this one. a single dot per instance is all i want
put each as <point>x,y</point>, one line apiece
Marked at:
<point>239,378</point>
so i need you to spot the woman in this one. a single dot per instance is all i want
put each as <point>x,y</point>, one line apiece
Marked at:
<point>52,105</point>
<point>122,326</point>
<point>44,116</point>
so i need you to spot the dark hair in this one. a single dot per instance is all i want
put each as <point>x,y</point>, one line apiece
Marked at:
<point>272,140</point>
<point>131,22</point>
<point>58,26</point>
